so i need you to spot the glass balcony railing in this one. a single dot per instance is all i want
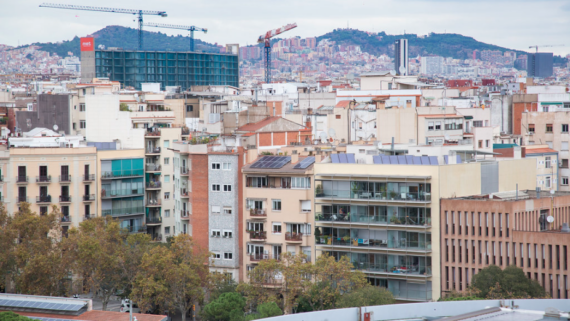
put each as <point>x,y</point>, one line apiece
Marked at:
<point>106,193</point>
<point>135,228</point>
<point>123,211</point>
<point>122,173</point>
<point>382,219</point>
<point>397,269</point>
<point>381,191</point>
<point>378,196</point>
<point>401,244</point>
<point>153,219</point>
<point>153,184</point>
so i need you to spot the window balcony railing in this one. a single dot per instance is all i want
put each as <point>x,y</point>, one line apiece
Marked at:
<point>184,171</point>
<point>257,235</point>
<point>89,197</point>
<point>43,179</point>
<point>154,220</point>
<point>65,199</point>
<point>43,199</point>
<point>256,257</point>
<point>65,219</point>
<point>184,215</point>
<point>154,134</point>
<point>397,270</point>
<point>122,173</point>
<point>155,150</point>
<point>153,202</point>
<point>88,177</point>
<point>123,211</point>
<point>373,243</point>
<point>153,168</point>
<point>154,184</point>
<point>20,199</point>
<point>184,193</point>
<point>89,216</point>
<point>120,192</point>
<point>65,178</point>
<point>135,228</point>
<point>374,219</point>
<point>257,212</point>
<point>379,196</point>
<point>21,179</point>
<point>186,131</point>
<point>292,236</point>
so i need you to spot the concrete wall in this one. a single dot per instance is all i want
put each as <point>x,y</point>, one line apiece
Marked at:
<point>398,123</point>
<point>51,110</point>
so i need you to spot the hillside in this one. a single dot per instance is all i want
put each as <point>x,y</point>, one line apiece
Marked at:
<point>445,45</point>
<point>127,38</point>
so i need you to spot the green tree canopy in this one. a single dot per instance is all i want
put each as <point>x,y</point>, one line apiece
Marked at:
<point>223,307</point>
<point>11,316</point>
<point>366,296</point>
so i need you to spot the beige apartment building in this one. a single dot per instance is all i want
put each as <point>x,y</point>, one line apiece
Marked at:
<point>383,217</point>
<point>57,176</point>
<point>278,193</point>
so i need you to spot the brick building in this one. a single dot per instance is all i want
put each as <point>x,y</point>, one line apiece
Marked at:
<point>506,229</point>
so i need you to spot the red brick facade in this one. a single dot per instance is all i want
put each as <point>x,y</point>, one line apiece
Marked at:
<point>199,199</point>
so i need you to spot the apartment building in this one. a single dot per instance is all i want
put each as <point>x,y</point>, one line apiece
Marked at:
<point>525,228</point>
<point>121,177</point>
<point>547,162</point>
<point>208,200</point>
<point>278,208</point>
<point>61,176</point>
<point>379,214</point>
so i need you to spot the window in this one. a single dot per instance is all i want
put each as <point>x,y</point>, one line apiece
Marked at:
<point>477,123</point>
<point>438,125</point>
<point>226,166</point>
<point>216,255</point>
<point>81,107</point>
<point>215,165</point>
<point>166,195</point>
<point>215,187</point>
<point>167,230</point>
<point>563,145</point>
<point>216,233</point>
<point>74,126</point>
<point>565,180</point>
<point>167,178</point>
<point>166,213</point>
<point>300,182</point>
<point>547,181</point>
<point>166,143</point>
<point>547,162</point>
<point>487,143</point>
<point>276,228</point>
<point>305,206</point>
<point>82,124</point>
<point>227,188</point>
<point>189,108</point>
<point>43,210</point>
<point>549,144</point>
<point>565,128</point>
<point>215,209</point>
<point>480,144</point>
<point>566,105</point>
<point>337,117</point>
<point>166,161</point>
<point>276,205</point>
<point>228,234</point>
<point>362,151</point>
<point>228,256</point>
<point>227,210</point>
<point>549,128</point>
<point>430,125</point>
<point>564,163</point>
<point>531,128</point>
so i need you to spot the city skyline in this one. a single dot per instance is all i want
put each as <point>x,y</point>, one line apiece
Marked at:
<point>35,24</point>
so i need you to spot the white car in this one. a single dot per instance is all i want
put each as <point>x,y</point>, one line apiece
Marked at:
<point>126,306</point>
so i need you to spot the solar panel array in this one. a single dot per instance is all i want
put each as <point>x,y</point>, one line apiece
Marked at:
<point>405,160</point>
<point>446,159</point>
<point>42,305</point>
<point>343,158</point>
<point>271,162</point>
<point>305,163</point>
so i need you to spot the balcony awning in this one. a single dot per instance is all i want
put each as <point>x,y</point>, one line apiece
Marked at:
<point>551,103</point>
<point>468,117</point>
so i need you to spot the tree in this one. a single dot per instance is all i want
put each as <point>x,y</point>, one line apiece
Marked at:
<point>11,316</point>
<point>264,283</point>
<point>223,307</point>
<point>269,309</point>
<point>135,247</point>
<point>220,284</point>
<point>172,278</point>
<point>366,296</point>
<point>487,278</point>
<point>96,251</point>
<point>124,107</point>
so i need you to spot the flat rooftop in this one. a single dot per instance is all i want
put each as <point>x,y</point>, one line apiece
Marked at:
<point>513,196</point>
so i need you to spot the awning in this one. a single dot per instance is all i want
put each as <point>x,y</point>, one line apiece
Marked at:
<point>551,103</point>
<point>468,117</point>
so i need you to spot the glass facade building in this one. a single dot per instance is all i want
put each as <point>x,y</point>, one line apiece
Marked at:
<point>185,69</point>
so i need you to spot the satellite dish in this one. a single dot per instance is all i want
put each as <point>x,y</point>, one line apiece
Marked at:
<point>323,137</point>
<point>446,136</point>
<point>55,127</point>
<point>552,192</point>
<point>332,133</point>
<point>393,72</point>
<point>402,70</point>
<point>550,219</point>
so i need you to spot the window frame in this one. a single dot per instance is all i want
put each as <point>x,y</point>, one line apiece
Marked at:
<point>215,187</point>
<point>275,202</point>
<point>214,165</point>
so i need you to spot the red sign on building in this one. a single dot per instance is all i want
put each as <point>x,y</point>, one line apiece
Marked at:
<point>87,44</point>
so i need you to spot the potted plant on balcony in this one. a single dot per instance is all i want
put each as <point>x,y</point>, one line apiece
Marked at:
<point>395,220</point>
<point>346,238</point>
<point>319,191</point>
<point>354,189</point>
<point>393,195</point>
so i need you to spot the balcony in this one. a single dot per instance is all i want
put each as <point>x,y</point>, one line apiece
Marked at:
<point>155,150</point>
<point>89,216</point>
<point>184,171</point>
<point>156,220</point>
<point>153,168</point>
<point>20,199</point>
<point>153,202</point>
<point>184,194</point>
<point>418,220</point>
<point>257,235</point>
<point>122,174</point>
<point>152,134</point>
<point>157,237</point>
<point>293,237</point>
<point>184,215</point>
<point>65,179</point>
<point>43,179</point>
<point>65,199</point>
<point>43,199</point>
<point>374,191</point>
<point>153,185</point>
<point>1,178</point>
<point>89,198</point>
<point>135,228</point>
<point>21,179</point>
<point>121,192</point>
<point>137,210</point>
<point>65,220</point>
<point>396,270</point>
<point>89,177</point>
<point>256,257</point>
<point>257,213</point>
<point>402,244</point>
<point>185,131</point>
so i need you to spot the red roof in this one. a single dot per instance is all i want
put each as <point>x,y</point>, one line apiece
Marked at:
<point>256,126</point>
<point>343,104</point>
<point>96,315</point>
<point>539,151</point>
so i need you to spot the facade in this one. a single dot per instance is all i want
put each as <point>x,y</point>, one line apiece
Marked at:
<point>53,176</point>
<point>184,69</point>
<point>401,57</point>
<point>277,209</point>
<point>539,65</point>
<point>432,65</point>
<point>52,109</point>
<point>528,229</point>
<point>380,216</point>
<point>121,177</point>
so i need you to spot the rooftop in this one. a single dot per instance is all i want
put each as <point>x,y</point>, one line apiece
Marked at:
<point>514,195</point>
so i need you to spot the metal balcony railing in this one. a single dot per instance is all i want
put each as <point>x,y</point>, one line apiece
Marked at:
<point>153,202</point>
<point>153,168</point>
<point>65,178</point>
<point>89,197</point>
<point>43,199</point>
<point>155,150</point>
<point>153,184</point>
<point>65,199</point>
<point>65,219</point>
<point>22,179</point>
<point>20,199</point>
<point>43,179</point>
<point>88,177</point>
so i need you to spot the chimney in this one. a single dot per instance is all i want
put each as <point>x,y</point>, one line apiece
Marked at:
<point>318,158</point>
<point>294,158</point>
<point>517,152</point>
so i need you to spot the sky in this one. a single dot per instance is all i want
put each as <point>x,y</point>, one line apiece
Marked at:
<point>515,24</point>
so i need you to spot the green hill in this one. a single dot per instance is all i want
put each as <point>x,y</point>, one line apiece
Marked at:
<point>127,38</point>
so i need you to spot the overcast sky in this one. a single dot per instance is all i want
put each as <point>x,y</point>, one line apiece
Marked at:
<point>515,24</point>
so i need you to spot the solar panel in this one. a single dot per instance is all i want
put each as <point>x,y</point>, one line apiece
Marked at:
<point>350,158</point>
<point>305,163</point>
<point>393,160</point>
<point>445,159</point>
<point>386,159</point>
<point>342,158</point>
<point>433,160</point>
<point>334,158</point>
<point>377,159</point>
<point>409,159</point>
<point>425,160</point>
<point>417,160</point>
<point>459,159</point>
<point>402,160</point>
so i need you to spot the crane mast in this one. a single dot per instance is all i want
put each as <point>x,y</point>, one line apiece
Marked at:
<point>188,28</point>
<point>136,12</point>
<point>266,39</point>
